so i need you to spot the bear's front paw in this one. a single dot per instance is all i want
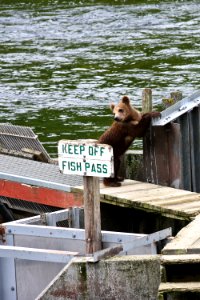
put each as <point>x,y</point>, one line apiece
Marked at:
<point>115,184</point>
<point>120,179</point>
<point>155,114</point>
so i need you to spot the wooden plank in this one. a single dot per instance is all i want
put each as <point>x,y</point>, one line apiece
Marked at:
<point>178,200</point>
<point>103,254</point>
<point>179,287</point>
<point>160,142</point>
<point>162,157</point>
<point>153,193</point>
<point>185,142</point>
<point>131,185</point>
<point>194,119</point>
<point>186,207</point>
<point>148,156</point>
<point>156,156</point>
<point>158,165</point>
<point>174,155</point>
<point>180,259</point>
<point>150,197</point>
<point>129,189</point>
<point>37,155</point>
<point>92,217</point>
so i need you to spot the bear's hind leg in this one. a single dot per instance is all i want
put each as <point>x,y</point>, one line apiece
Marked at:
<point>117,163</point>
<point>111,182</point>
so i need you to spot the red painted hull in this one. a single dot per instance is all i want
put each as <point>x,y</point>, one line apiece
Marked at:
<point>40,195</point>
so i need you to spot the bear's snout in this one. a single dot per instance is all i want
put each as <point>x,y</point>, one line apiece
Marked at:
<point>117,118</point>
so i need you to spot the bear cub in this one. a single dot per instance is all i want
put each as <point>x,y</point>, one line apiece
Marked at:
<point>128,124</point>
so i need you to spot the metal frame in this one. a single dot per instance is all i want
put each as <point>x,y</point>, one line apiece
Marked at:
<point>25,240</point>
<point>177,110</point>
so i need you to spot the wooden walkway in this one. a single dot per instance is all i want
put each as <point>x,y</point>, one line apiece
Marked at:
<point>166,201</point>
<point>42,183</point>
<point>187,241</point>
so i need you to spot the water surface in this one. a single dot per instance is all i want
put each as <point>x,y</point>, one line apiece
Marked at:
<point>63,62</point>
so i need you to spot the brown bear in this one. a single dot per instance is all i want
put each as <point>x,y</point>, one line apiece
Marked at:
<point>128,124</point>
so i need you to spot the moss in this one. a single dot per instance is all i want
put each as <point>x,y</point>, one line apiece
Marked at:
<point>83,272</point>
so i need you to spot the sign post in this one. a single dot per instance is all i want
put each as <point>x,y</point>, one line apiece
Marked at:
<point>91,160</point>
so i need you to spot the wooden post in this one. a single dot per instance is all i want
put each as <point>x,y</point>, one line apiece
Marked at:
<point>162,156</point>
<point>92,214</point>
<point>91,160</point>
<point>174,97</point>
<point>177,96</point>
<point>146,100</point>
<point>146,107</point>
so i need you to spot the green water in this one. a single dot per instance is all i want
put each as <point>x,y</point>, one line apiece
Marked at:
<point>63,62</point>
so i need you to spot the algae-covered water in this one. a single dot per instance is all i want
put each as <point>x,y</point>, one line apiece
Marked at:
<point>62,62</point>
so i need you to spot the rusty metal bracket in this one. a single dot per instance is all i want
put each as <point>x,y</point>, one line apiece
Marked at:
<point>2,234</point>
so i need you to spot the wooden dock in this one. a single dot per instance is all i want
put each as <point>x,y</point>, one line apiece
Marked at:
<point>166,201</point>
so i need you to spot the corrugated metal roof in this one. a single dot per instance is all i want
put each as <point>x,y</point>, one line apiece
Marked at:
<point>36,173</point>
<point>13,137</point>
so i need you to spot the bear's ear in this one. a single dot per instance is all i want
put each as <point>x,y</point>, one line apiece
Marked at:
<point>112,106</point>
<point>125,100</point>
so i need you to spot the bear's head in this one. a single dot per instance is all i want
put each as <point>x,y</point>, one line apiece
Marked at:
<point>124,112</point>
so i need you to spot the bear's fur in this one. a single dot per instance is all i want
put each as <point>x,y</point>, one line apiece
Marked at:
<point>129,123</point>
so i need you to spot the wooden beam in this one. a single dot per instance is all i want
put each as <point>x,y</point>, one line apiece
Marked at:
<point>146,100</point>
<point>92,214</point>
<point>162,155</point>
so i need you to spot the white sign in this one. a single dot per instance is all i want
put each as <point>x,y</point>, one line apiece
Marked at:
<point>86,158</point>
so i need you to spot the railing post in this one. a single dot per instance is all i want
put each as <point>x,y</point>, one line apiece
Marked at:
<point>146,100</point>
<point>92,214</point>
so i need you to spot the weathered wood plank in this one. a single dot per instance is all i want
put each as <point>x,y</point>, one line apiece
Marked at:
<point>179,286</point>
<point>158,194</point>
<point>180,259</point>
<point>129,189</point>
<point>186,206</point>
<point>186,162</point>
<point>185,239</point>
<point>162,159</point>
<point>156,161</point>
<point>163,199</point>
<point>151,197</point>
<point>153,193</point>
<point>174,155</point>
<point>187,198</point>
<point>194,119</point>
